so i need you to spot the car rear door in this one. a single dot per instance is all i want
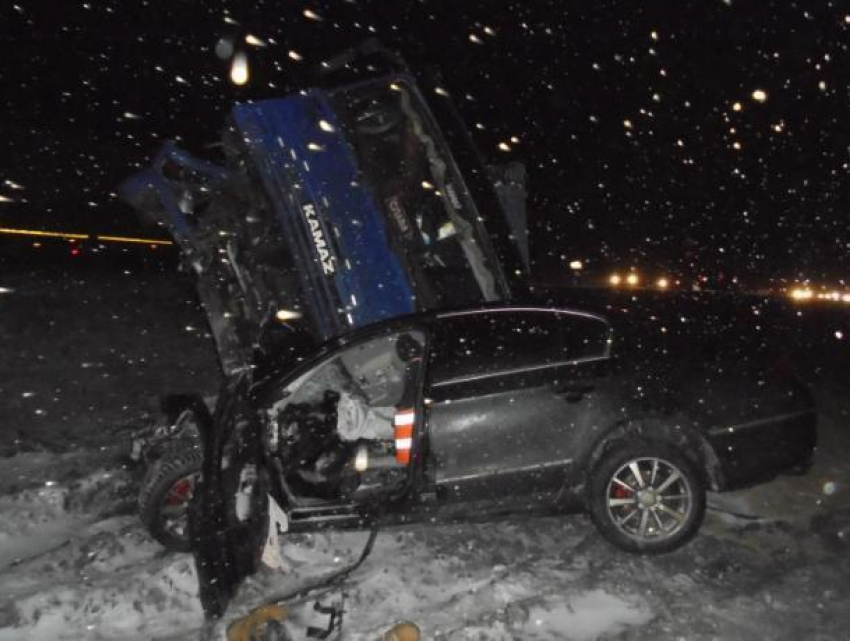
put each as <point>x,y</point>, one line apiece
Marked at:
<point>510,392</point>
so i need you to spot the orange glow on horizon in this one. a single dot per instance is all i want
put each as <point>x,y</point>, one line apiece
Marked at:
<point>74,236</point>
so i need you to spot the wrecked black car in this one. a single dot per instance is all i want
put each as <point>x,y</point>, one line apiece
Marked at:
<point>485,411</point>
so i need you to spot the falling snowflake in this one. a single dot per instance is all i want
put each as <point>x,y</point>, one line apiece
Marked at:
<point>759,95</point>
<point>239,69</point>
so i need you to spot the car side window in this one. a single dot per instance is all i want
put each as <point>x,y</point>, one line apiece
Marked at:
<point>470,345</point>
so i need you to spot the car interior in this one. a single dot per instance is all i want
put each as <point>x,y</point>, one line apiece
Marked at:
<point>331,430</point>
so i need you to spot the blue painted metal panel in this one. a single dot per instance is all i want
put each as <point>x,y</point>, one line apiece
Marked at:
<point>139,185</point>
<point>311,177</point>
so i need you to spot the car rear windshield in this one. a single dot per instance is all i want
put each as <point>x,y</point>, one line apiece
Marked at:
<point>432,223</point>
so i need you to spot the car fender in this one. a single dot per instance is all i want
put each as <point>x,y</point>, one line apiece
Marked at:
<point>671,429</point>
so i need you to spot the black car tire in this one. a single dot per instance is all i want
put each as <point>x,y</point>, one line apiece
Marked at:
<point>661,510</point>
<point>171,479</point>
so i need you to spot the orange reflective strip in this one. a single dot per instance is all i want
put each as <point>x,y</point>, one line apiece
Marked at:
<point>404,421</point>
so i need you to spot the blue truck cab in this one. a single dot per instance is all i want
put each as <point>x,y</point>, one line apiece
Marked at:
<point>335,208</point>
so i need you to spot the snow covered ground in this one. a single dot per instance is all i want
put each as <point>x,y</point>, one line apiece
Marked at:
<point>771,562</point>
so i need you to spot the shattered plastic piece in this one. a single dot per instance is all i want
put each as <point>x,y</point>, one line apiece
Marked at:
<point>278,524</point>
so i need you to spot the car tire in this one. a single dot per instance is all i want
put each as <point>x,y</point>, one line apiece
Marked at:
<point>165,494</point>
<point>646,497</point>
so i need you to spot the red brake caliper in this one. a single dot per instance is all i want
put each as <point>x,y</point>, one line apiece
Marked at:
<point>180,492</point>
<point>619,492</point>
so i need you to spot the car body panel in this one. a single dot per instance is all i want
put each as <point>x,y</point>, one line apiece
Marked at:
<point>754,451</point>
<point>476,433</point>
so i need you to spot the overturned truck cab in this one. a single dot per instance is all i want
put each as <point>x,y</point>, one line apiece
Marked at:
<point>335,209</point>
<point>332,209</point>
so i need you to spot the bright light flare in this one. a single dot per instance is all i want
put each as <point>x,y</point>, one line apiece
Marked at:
<point>239,69</point>
<point>632,279</point>
<point>361,459</point>
<point>759,95</point>
<point>284,315</point>
<point>615,279</point>
<point>576,265</point>
<point>801,293</point>
<point>662,283</point>
<point>254,41</point>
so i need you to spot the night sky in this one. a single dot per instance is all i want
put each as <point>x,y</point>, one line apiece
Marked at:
<point>696,137</point>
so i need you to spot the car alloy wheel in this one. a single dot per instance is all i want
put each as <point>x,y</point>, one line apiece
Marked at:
<point>646,497</point>
<point>649,499</point>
